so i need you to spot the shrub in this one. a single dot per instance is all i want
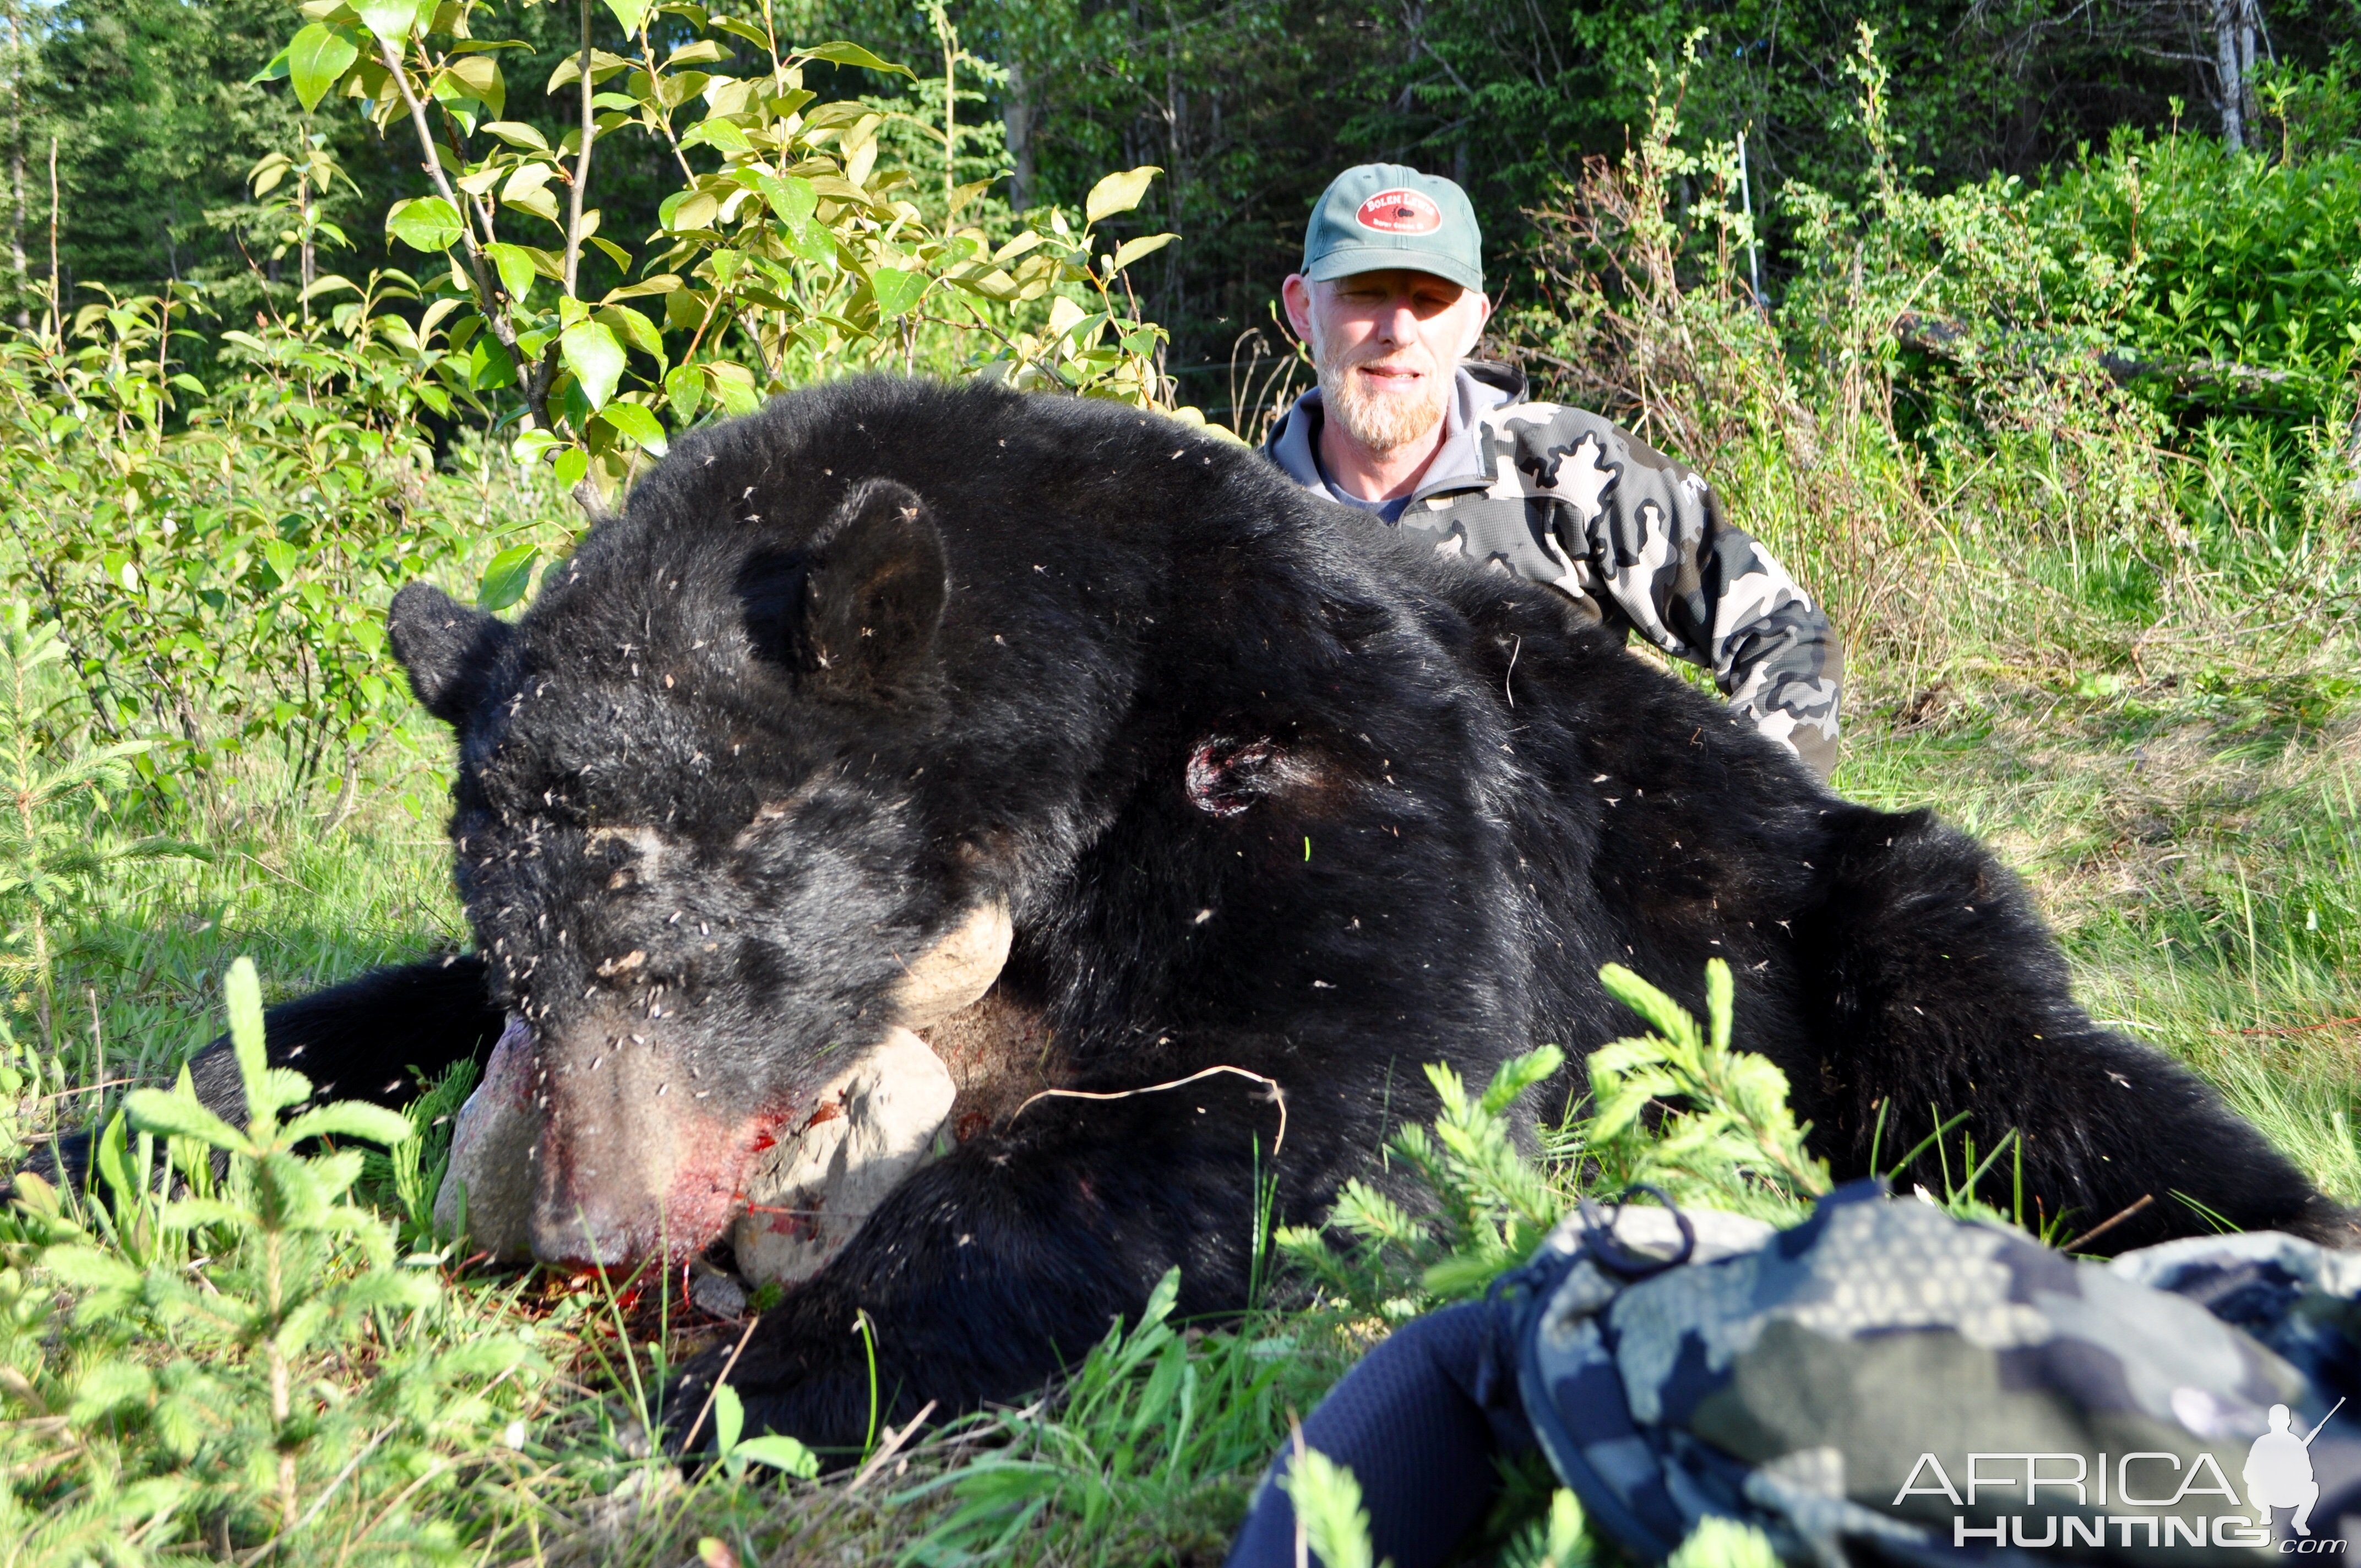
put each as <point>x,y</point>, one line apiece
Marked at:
<point>2074,421</point>
<point>250,1357</point>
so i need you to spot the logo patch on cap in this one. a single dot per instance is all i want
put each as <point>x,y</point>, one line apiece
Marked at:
<point>1399,212</point>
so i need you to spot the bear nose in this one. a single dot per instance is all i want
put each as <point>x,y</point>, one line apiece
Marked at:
<point>579,1238</point>
<point>631,1164</point>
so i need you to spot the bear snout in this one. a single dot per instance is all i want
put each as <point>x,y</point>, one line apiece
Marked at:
<point>637,1159</point>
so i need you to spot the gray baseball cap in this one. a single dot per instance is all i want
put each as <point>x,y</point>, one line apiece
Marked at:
<point>1380,215</point>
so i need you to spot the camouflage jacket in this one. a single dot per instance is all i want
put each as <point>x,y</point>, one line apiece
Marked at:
<point>1639,542</point>
<point>1885,1383</point>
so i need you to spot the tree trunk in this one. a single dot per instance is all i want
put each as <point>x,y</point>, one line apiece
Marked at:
<point>307,267</point>
<point>18,266</point>
<point>2229,17</point>
<point>1017,113</point>
<point>2249,113</point>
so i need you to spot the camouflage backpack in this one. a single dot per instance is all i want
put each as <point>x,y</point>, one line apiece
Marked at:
<point>1886,1382</point>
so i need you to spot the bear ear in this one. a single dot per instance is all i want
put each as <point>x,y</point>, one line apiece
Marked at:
<point>447,648</point>
<point>874,588</point>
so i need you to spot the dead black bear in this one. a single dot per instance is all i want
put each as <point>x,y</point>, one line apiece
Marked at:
<point>1257,785</point>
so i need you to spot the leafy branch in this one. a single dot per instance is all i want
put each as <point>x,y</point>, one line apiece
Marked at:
<point>1737,1138</point>
<point>794,250</point>
<point>1677,1108</point>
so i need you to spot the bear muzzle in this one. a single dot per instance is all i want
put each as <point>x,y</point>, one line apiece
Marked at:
<point>607,1148</point>
<point>636,1158</point>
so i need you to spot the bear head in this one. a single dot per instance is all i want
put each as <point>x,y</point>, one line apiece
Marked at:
<point>695,842</point>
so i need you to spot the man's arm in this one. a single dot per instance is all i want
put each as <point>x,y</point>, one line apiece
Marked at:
<point>1660,548</point>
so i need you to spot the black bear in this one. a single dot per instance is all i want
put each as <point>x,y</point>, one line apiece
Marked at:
<point>1257,785</point>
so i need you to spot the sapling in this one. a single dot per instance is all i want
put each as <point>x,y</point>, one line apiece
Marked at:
<point>248,1327</point>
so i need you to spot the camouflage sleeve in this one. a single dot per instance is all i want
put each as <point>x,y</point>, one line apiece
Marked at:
<point>1660,550</point>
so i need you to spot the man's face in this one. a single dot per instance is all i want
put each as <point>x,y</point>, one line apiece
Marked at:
<point>1385,345</point>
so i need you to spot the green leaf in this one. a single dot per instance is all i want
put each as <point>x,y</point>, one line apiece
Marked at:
<point>282,557</point>
<point>813,242</point>
<point>516,133</point>
<point>781,1452</point>
<point>403,1290</point>
<point>426,223</point>
<point>107,1384</point>
<point>114,1165</point>
<point>516,269</point>
<point>190,1213</point>
<point>720,134</point>
<point>1717,1004</point>
<point>733,388</point>
<point>1666,1016</point>
<point>1131,250</point>
<point>661,284</point>
<point>896,290</point>
<point>1459,1275</point>
<point>842,53</point>
<point>478,1358</point>
<point>490,365</point>
<point>637,424</point>
<point>738,30</point>
<point>1519,1074</point>
<point>388,19</point>
<point>1722,1543</point>
<point>597,359</point>
<point>687,210</point>
<point>1119,192</point>
<point>88,1268</point>
<point>505,580</point>
<point>242,989</point>
<point>790,196</point>
<point>353,1118</point>
<point>633,327</point>
<point>1328,1506</point>
<point>631,13</point>
<point>178,1115</point>
<point>729,1418</point>
<point>685,386</point>
<point>317,58</point>
<point>475,76</point>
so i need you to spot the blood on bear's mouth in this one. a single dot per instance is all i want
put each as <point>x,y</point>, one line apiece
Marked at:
<point>625,1176</point>
<point>629,1171</point>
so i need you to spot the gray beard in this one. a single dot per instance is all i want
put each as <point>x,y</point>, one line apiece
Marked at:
<point>1383,422</point>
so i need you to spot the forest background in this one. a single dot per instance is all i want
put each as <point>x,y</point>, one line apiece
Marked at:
<point>1247,105</point>
<point>2025,331</point>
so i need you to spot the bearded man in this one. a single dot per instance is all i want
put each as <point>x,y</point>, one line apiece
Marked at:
<point>1405,427</point>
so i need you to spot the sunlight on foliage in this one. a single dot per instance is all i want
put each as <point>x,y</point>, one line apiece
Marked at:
<point>796,252</point>
<point>1558,1539</point>
<point>1735,1141</point>
<point>248,1343</point>
<point>1719,1542</point>
<point>1328,1510</point>
<point>1677,1108</point>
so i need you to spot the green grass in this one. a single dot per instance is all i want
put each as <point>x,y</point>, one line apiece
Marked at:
<point>2195,841</point>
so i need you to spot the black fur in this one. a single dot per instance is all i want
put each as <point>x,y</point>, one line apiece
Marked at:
<point>1263,786</point>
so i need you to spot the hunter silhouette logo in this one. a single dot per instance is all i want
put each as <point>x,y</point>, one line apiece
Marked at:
<point>2279,1471</point>
<point>1399,212</point>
